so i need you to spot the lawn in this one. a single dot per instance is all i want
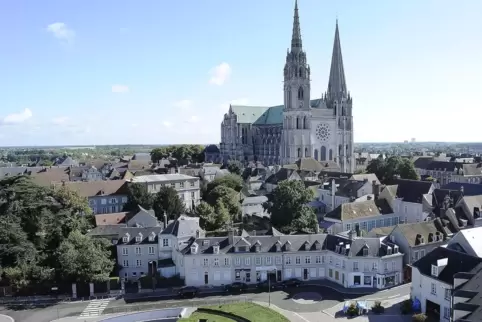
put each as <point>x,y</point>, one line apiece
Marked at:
<point>250,311</point>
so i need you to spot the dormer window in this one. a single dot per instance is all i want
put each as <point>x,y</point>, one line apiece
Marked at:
<point>205,242</point>
<point>430,237</point>
<point>317,245</point>
<point>216,249</point>
<point>152,236</point>
<point>288,246</point>
<point>395,249</point>
<point>278,246</point>
<point>365,251</point>
<point>194,249</point>
<point>139,238</point>
<point>307,245</point>
<point>389,250</point>
<point>257,246</point>
<point>434,270</point>
<point>125,239</point>
<point>422,240</point>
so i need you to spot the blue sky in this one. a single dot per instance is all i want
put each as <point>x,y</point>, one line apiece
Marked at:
<point>118,71</point>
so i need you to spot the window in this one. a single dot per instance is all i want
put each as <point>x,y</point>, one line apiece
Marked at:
<point>226,262</point>
<point>331,259</point>
<point>138,251</point>
<point>151,250</point>
<point>318,259</point>
<point>288,260</point>
<point>237,261</point>
<point>298,260</point>
<point>447,313</point>
<point>124,199</point>
<point>138,263</point>
<point>181,185</point>
<point>192,183</point>
<point>375,266</point>
<point>307,260</point>
<point>447,294</point>
<point>205,262</point>
<point>193,195</point>
<point>322,259</point>
<point>366,267</point>
<point>138,239</point>
<point>247,261</point>
<point>365,251</point>
<point>434,289</point>
<point>126,263</point>
<point>181,196</point>
<point>394,265</point>
<point>385,266</point>
<point>258,261</point>
<point>422,253</point>
<point>415,255</point>
<point>343,264</point>
<point>348,226</point>
<point>216,262</point>
<point>389,251</point>
<point>434,270</point>
<point>113,209</point>
<point>355,266</point>
<point>269,260</point>
<point>278,260</point>
<point>165,242</point>
<point>113,200</point>
<point>103,201</point>
<point>125,251</point>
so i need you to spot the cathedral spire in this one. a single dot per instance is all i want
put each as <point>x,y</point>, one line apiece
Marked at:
<point>337,82</point>
<point>296,44</point>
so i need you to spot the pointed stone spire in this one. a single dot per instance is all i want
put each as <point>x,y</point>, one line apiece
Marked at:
<point>296,44</point>
<point>337,82</point>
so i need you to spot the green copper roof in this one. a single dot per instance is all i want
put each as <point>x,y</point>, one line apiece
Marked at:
<point>274,114</point>
<point>248,114</point>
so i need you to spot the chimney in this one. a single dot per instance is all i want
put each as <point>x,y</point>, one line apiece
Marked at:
<point>357,230</point>
<point>376,189</point>
<point>165,220</point>
<point>333,193</point>
<point>231,236</point>
<point>351,234</point>
<point>253,233</point>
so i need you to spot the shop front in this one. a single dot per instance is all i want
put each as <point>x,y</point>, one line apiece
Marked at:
<point>387,280</point>
<point>243,275</point>
<point>265,272</point>
<point>362,280</point>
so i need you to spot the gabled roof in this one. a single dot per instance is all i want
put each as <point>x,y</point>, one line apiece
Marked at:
<point>424,229</point>
<point>281,175</point>
<point>412,190</point>
<point>360,209</point>
<point>98,188</point>
<point>182,227</point>
<point>470,189</point>
<point>110,219</point>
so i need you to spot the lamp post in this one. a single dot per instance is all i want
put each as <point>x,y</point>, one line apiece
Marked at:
<point>269,286</point>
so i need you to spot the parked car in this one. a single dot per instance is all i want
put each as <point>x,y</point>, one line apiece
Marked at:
<point>294,282</point>
<point>264,285</point>
<point>188,292</point>
<point>236,287</point>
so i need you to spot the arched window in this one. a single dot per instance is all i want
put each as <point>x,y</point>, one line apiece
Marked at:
<point>300,72</point>
<point>323,154</point>
<point>297,123</point>
<point>300,93</point>
<point>306,152</point>
<point>299,153</point>
<point>331,154</point>
<point>316,154</point>
<point>305,122</point>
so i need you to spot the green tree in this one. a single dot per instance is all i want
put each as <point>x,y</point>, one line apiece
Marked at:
<point>212,218</point>
<point>167,201</point>
<point>228,197</point>
<point>387,170</point>
<point>289,208</point>
<point>232,181</point>
<point>158,154</point>
<point>137,195</point>
<point>235,167</point>
<point>406,170</point>
<point>84,259</point>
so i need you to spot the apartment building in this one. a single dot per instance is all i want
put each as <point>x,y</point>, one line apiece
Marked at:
<point>187,186</point>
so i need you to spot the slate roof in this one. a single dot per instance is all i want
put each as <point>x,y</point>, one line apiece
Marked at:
<point>370,177</point>
<point>107,230</point>
<point>360,209</point>
<point>282,174</point>
<point>472,291</point>
<point>446,166</point>
<point>334,174</point>
<point>162,177</point>
<point>142,156</point>
<point>67,161</point>
<point>259,200</point>
<point>143,232</point>
<point>470,189</point>
<point>424,229</point>
<point>182,227</point>
<point>456,261</point>
<point>422,162</point>
<point>308,164</point>
<point>47,176</point>
<point>98,188</point>
<point>412,190</point>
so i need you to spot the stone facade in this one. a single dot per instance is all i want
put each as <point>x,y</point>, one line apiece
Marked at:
<point>301,127</point>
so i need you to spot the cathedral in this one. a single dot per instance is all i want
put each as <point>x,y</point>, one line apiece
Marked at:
<point>320,128</point>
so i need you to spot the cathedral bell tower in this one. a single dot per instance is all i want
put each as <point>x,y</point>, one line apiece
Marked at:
<point>296,113</point>
<point>339,100</point>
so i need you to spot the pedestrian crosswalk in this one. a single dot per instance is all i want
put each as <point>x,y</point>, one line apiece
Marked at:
<point>95,308</point>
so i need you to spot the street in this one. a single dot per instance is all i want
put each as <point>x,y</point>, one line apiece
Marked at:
<point>303,301</point>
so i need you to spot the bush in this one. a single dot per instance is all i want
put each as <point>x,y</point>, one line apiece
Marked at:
<point>377,308</point>
<point>419,317</point>
<point>406,307</point>
<point>352,310</point>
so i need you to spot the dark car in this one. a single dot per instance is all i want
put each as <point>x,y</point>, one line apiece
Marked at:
<point>265,285</point>
<point>188,292</point>
<point>236,287</point>
<point>294,282</point>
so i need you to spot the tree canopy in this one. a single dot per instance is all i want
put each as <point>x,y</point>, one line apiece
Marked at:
<point>34,222</point>
<point>167,201</point>
<point>212,218</point>
<point>235,167</point>
<point>192,152</point>
<point>137,195</point>
<point>226,196</point>
<point>289,209</point>
<point>387,170</point>
<point>232,181</point>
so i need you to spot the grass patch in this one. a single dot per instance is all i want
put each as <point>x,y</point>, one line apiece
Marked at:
<point>250,311</point>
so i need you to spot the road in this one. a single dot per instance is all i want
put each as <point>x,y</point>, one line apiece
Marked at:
<point>299,300</point>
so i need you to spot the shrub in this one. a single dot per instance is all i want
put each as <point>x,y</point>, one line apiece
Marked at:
<point>406,307</point>
<point>352,310</point>
<point>419,317</point>
<point>377,308</point>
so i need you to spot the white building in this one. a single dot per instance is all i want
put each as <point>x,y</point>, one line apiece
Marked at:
<point>186,186</point>
<point>301,126</point>
<point>433,278</point>
<point>468,241</point>
<point>348,261</point>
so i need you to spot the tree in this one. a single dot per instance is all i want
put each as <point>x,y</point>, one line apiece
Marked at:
<point>228,197</point>
<point>232,181</point>
<point>167,201</point>
<point>137,195</point>
<point>235,167</point>
<point>387,170</point>
<point>158,154</point>
<point>84,259</point>
<point>289,207</point>
<point>194,153</point>
<point>212,218</point>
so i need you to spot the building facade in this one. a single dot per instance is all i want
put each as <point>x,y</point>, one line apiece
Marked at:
<point>320,128</point>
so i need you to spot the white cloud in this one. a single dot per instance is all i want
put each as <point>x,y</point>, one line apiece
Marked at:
<point>61,120</point>
<point>61,31</point>
<point>184,104</point>
<point>120,88</point>
<point>220,74</point>
<point>16,118</point>
<point>167,124</point>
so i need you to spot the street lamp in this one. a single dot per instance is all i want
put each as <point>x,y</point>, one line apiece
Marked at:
<point>269,286</point>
